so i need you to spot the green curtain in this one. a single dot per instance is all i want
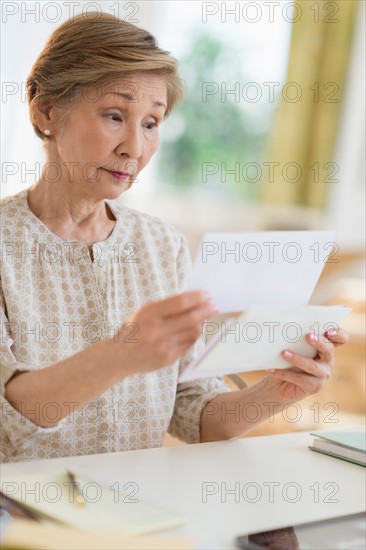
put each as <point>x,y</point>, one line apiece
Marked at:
<point>302,140</point>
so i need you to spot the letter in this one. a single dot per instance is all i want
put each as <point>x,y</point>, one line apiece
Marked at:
<point>70,166</point>
<point>25,171</point>
<point>8,249</point>
<point>256,407</point>
<point>10,488</point>
<point>30,252</point>
<point>235,11</point>
<point>52,485</point>
<point>85,491</point>
<point>271,325</point>
<point>298,92</point>
<point>8,89</point>
<point>225,491</point>
<point>271,485</point>
<point>210,409</point>
<point>235,412</point>
<point>235,171</point>
<point>296,12</point>
<point>271,166</point>
<point>298,415</point>
<point>209,88</point>
<point>209,168</point>
<point>6,329</point>
<point>258,175</point>
<point>24,331</point>
<point>288,486</point>
<point>225,251</point>
<point>209,488</point>
<point>271,95</point>
<point>49,338</point>
<point>209,328</point>
<point>235,92</point>
<point>296,258</point>
<point>246,96</point>
<point>45,413</point>
<point>246,257</point>
<point>229,330</point>
<point>25,12</point>
<point>87,333</point>
<point>258,335</point>
<point>51,256</point>
<point>72,5</point>
<point>24,491</point>
<point>298,174</point>
<point>209,249</point>
<point>247,486</point>
<point>45,15</point>
<point>258,9</point>
<point>271,11</point>
<point>9,169</point>
<point>8,8</point>
<point>271,250</point>
<point>271,405</point>
<point>294,338</point>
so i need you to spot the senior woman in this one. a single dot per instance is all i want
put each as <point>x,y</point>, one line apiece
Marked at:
<point>95,326</point>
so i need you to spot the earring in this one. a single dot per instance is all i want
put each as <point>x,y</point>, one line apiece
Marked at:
<point>47,132</point>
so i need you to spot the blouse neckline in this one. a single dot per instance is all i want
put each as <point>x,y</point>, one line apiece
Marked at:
<point>51,236</point>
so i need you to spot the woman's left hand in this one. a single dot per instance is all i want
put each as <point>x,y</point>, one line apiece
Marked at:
<point>307,376</point>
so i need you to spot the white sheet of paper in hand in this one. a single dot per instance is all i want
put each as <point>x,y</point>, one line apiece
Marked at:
<point>241,270</point>
<point>255,340</point>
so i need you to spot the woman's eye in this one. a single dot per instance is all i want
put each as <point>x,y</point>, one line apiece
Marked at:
<point>115,117</point>
<point>151,125</point>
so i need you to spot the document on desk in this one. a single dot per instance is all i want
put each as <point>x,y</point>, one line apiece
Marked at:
<point>255,340</point>
<point>241,270</point>
<point>29,534</point>
<point>106,508</point>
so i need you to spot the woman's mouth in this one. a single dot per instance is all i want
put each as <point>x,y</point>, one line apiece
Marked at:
<point>119,176</point>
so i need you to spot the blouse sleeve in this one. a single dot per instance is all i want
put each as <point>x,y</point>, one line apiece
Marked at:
<point>15,426</point>
<point>191,397</point>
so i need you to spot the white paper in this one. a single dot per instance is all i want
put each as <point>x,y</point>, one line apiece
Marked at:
<point>107,508</point>
<point>242,270</point>
<point>255,340</point>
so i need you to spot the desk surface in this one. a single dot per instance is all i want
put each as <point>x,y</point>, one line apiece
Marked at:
<point>228,488</point>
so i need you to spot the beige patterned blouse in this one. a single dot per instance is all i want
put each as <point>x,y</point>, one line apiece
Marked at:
<point>56,301</point>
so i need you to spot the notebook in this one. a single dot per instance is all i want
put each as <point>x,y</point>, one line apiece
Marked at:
<point>106,509</point>
<point>347,444</point>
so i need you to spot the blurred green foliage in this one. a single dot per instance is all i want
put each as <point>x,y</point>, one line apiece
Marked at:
<point>213,128</point>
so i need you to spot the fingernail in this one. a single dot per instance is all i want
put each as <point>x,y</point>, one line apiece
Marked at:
<point>332,332</point>
<point>288,354</point>
<point>271,371</point>
<point>313,337</point>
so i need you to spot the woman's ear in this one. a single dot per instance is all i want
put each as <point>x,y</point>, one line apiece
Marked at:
<point>43,112</point>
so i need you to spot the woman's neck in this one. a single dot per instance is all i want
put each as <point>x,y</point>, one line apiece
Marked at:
<point>71,216</point>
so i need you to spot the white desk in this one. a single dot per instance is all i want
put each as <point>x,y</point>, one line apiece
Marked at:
<point>174,477</point>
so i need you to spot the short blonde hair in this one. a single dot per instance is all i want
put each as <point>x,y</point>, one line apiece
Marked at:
<point>94,49</point>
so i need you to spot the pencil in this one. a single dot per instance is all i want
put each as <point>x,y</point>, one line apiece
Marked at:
<point>79,496</point>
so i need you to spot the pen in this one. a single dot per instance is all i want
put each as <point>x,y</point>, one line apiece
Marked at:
<point>16,509</point>
<point>79,497</point>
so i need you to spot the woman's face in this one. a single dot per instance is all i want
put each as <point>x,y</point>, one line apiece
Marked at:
<point>108,130</point>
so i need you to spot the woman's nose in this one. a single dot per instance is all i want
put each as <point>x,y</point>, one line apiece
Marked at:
<point>131,144</point>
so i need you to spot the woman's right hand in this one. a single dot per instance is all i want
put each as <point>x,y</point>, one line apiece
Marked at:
<point>160,332</point>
